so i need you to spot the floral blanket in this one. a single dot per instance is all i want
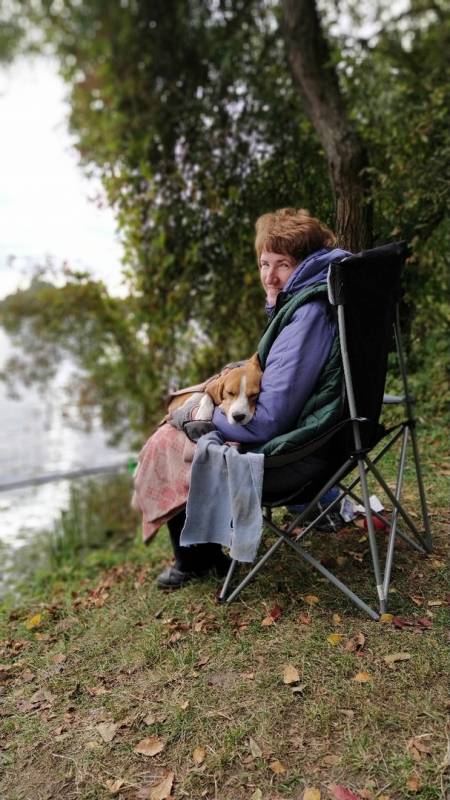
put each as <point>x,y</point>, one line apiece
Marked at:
<point>161,483</point>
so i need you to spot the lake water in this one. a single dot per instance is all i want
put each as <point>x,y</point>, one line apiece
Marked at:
<point>39,436</point>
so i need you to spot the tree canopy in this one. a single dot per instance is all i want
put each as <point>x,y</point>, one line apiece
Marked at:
<point>188,112</point>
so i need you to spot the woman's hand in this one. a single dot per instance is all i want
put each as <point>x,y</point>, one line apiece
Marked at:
<point>184,419</point>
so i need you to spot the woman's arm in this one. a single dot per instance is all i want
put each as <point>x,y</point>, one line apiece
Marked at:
<point>293,366</point>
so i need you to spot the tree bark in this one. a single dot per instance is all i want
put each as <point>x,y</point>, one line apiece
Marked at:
<point>316,78</point>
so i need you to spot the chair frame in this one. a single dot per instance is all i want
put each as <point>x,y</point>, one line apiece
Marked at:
<point>359,459</point>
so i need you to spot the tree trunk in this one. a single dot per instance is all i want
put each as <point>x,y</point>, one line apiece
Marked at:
<point>313,72</point>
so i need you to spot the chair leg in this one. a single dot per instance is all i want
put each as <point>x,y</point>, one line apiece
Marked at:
<point>332,578</point>
<point>372,536</point>
<point>396,504</point>
<point>392,535</point>
<point>423,499</point>
<point>253,571</point>
<point>226,583</point>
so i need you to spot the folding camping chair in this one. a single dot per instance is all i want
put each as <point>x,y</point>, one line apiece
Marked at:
<point>365,291</point>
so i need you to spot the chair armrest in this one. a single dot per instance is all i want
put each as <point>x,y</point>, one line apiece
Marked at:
<point>393,399</point>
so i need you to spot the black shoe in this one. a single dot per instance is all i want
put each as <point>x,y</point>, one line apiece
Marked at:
<point>174,578</point>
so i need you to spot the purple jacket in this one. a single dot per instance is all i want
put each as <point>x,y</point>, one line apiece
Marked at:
<point>295,360</point>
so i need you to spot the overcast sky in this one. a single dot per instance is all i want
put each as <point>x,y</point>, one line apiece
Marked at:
<point>44,198</point>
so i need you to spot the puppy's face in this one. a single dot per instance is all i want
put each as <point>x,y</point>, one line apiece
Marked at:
<point>236,392</point>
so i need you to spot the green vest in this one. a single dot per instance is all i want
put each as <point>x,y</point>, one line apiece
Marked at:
<point>324,407</point>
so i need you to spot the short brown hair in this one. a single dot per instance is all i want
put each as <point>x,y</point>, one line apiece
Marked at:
<point>293,232</point>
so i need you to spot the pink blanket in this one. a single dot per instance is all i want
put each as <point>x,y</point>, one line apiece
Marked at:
<point>161,483</point>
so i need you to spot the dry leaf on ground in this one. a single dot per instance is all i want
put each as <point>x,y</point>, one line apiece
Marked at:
<point>331,760</point>
<point>362,677</point>
<point>311,599</point>
<point>33,622</point>
<point>198,756</point>
<point>356,643</point>
<point>290,674</point>
<point>114,786</point>
<point>277,767</point>
<point>386,618</point>
<point>107,730</point>
<point>257,795</point>
<point>416,746</point>
<point>254,748</point>
<point>311,793</point>
<point>339,792</point>
<point>337,619</point>
<point>414,782</point>
<point>162,790</point>
<point>334,638</point>
<point>95,691</point>
<point>273,615</point>
<point>394,657</point>
<point>150,746</point>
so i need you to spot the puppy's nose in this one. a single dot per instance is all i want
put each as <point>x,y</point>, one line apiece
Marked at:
<point>238,417</point>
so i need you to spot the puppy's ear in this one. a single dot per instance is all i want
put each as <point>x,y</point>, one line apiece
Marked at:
<point>254,361</point>
<point>215,390</point>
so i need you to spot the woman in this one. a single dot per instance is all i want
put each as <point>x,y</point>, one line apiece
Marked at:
<point>301,386</point>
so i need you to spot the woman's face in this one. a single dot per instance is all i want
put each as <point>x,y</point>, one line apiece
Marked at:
<point>275,270</point>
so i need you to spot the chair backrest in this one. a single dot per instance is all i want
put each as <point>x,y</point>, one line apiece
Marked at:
<point>366,287</point>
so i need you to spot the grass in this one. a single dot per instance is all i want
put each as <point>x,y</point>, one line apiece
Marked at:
<point>107,647</point>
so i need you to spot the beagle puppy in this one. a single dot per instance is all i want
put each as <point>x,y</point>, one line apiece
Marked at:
<point>235,393</point>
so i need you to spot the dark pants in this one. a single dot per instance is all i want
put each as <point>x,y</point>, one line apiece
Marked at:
<point>281,482</point>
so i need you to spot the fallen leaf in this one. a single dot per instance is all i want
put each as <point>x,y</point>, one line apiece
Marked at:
<point>33,622</point>
<point>95,691</point>
<point>331,760</point>
<point>356,644</point>
<point>257,795</point>
<point>417,747</point>
<point>114,785</point>
<point>272,616</point>
<point>304,618</point>
<point>107,730</point>
<point>433,603</point>
<point>417,599</point>
<point>150,746</point>
<point>414,782</point>
<point>400,623</point>
<point>424,622</point>
<point>311,793</point>
<point>277,767</point>
<point>362,677</point>
<point>184,705</point>
<point>198,756</point>
<point>59,658</point>
<point>342,793</point>
<point>311,599</point>
<point>336,619</point>
<point>290,674</point>
<point>254,748</point>
<point>27,676</point>
<point>92,745</point>
<point>386,618</point>
<point>334,638</point>
<point>394,657</point>
<point>162,790</point>
<point>41,696</point>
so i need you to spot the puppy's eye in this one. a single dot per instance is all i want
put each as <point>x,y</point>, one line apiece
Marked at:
<point>253,397</point>
<point>228,393</point>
